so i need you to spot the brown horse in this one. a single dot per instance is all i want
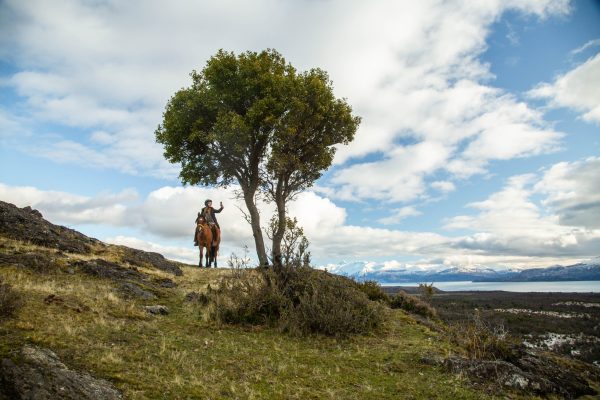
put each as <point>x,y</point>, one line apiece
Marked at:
<point>204,238</point>
<point>216,241</point>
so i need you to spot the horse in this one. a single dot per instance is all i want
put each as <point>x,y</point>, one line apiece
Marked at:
<point>204,238</point>
<point>216,241</point>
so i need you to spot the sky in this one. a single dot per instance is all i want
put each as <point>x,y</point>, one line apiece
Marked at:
<point>479,143</point>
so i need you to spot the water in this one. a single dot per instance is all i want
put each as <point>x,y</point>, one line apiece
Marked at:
<point>566,286</point>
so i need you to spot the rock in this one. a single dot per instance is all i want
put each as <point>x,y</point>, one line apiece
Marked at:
<point>133,290</point>
<point>41,262</point>
<point>195,297</point>
<point>157,310</point>
<point>28,225</point>
<point>144,259</point>
<point>38,374</point>
<point>110,270</point>
<point>539,377</point>
<point>165,282</point>
<point>566,382</point>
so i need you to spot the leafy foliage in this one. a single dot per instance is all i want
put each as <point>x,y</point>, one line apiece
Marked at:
<point>252,119</point>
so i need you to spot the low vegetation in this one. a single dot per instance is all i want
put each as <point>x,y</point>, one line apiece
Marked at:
<point>299,301</point>
<point>185,354</point>
<point>10,300</point>
<point>243,333</point>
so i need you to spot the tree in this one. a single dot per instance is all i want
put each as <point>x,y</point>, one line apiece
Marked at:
<point>221,127</point>
<point>304,143</point>
<point>252,119</point>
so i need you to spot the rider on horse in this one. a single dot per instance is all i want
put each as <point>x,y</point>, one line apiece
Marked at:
<point>208,212</point>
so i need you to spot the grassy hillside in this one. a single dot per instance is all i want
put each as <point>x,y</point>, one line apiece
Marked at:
<point>88,306</point>
<point>181,355</point>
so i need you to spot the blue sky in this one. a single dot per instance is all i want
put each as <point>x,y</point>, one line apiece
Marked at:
<point>479,143</point>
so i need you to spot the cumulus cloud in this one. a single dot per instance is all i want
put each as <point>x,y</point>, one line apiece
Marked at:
<point>424,81</point>
<point>511,222</point>
<point>509,228</point>
<point>443,186</point>
<point>573,192</point>
<point>375,180</point>
<point>399,214</point>
<point>105,208</point>
<point>577,89</point>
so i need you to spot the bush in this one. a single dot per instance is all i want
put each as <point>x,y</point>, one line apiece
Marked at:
<point>373,291</point>
<point>299,301</point>
<point>10,301</point>
<point>412,305</point>
<point>483,341</point>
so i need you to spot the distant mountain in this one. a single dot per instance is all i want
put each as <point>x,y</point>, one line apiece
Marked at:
<point>588,271</point>
<point>405,273</point>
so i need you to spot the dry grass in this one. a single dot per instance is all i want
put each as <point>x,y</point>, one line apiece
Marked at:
<point>181,355</point>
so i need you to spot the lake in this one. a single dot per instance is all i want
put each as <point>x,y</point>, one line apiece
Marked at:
<point>566,286</point>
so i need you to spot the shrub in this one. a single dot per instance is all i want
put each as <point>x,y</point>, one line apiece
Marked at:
<point>483,341</point>
<point>373,291</point>
<point>10,301</point>
<point>296,300</point>
<point>412,305</point>
<point>427,291</point>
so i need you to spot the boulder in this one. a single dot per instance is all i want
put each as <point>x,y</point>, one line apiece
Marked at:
<point>145,259</point>
<point>530,374</point>
<point>38,374</point>
<point>157,310</point>
<point>28,225</point>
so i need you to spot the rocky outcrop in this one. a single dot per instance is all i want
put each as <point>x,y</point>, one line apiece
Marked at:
<point>38,374</point>
<point>529,373</point>
<point>144,258</point>
<point>28,225</point>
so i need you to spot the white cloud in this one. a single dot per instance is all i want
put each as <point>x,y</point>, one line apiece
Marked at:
<point>400,177</point>
<point>577,89</point>
<point>511,222</point>
<point>587,45</point>
<point>105,208</point>
<point>573,192</point>
<point>509,229</point>
<point>420,75</point>
<point>399,214</point>
<point>443,186</point>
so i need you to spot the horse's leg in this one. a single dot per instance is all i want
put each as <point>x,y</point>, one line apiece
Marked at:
<point>201,254</point>
<point>215,253</point>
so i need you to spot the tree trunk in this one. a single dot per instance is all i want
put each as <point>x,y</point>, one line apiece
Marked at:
<point>281,224</point>
<point>256,231</point>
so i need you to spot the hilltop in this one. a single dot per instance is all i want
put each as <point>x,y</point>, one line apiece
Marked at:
<point>87,319</point>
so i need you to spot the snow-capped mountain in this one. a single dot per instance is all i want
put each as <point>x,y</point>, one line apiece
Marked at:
<point>396,272</point>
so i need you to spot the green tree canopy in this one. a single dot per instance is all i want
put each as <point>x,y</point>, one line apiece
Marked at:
<point>304,143</point>
<point>252,119</point>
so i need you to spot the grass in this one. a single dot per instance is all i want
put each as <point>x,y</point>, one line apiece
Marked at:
<point>184,355</point>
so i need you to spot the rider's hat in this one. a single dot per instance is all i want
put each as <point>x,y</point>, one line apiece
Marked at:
<point>206,202</point>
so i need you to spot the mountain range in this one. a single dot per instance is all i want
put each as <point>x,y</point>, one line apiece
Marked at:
<point>405,273</point>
